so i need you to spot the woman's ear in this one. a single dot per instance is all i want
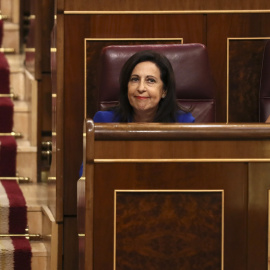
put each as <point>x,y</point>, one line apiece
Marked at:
<point>164,93</point>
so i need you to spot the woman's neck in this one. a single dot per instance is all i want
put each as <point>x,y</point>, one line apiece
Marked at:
<point>144,116</point>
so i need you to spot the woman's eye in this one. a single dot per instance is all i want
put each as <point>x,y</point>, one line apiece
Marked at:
<point>150,80</point>
<point>134,79</point>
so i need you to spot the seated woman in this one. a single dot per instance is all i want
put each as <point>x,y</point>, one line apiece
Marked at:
<point>147,92</point>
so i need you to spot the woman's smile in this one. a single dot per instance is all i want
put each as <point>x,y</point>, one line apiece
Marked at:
<point>141,98</point>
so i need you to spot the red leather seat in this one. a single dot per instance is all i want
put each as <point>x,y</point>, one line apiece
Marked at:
<point>1,32</point>
<point>4,75</point>
<point>265,85</point>
<point>194,81</point>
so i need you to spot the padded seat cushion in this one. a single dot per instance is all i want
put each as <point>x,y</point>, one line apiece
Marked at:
<point>1,32</point>
<point>8,151</point>
<point>4,75</point>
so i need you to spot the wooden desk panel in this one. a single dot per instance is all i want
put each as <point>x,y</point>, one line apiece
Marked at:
<point>176,167</point>
<point>195,177</point>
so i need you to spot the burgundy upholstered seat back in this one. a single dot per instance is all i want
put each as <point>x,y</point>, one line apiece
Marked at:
<point>1,32</point>
<point>265,85</point>
<point>194,82</point>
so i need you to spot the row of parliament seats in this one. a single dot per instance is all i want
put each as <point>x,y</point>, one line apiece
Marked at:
<point>18,150</point>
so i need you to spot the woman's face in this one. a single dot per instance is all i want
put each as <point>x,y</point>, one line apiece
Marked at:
<point>145,88</point>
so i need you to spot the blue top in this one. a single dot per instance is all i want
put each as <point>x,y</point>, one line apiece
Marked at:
<point>109,117</point>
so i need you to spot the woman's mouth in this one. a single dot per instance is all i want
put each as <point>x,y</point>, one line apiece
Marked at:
<point>140,97</point>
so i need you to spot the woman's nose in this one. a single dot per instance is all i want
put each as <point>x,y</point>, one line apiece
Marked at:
<point>141,86</point>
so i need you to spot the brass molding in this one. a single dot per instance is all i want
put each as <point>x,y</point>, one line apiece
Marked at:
<point>32,17</point>
<point>137,12</point>
<point>174,191</point>
<point>4,17</point>
<point>10,95</point>
<point>133,39</point>
<point>19,179</point>
<point>166,190</point>
<point>228,67</point>
<point>36,237</point>
<point>7,50</point>
<point>175,160</point>
<point>29,50</point>
<point>114,39</point>
<point>15,134</point>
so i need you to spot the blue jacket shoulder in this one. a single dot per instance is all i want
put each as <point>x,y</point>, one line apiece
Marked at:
<point>104,117</point>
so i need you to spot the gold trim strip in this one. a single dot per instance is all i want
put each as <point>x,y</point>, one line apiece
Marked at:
<point>131,12</point>
<point>4,17</point>
<point>10,95</point>
<point>16,178</point>
<point>133,39</point>
<point>248,38</point>
<point>81,234</point>
<point>15,134</point>
<point>29,50</point>
<point>168,190</point>
<point>169,160</point>
<point>28,236</point>
<point>7,50</point>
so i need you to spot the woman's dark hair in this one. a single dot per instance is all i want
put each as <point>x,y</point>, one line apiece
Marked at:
<point>167,109</point>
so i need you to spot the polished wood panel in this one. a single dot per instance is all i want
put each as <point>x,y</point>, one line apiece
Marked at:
<point>245,65</point>
<point>138,5</point>
<point>70,246</point>
<point>168,176</point>
<point>220,27</point>
<point>152,232</point>
<point>59,124</point>
<point>258,208</point>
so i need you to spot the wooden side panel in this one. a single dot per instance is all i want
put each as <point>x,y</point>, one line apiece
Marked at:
<point>221,27</point>
<point>245,65</point>
<point>258,207</point>
<point>108,245</point>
